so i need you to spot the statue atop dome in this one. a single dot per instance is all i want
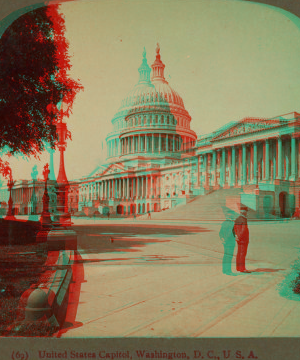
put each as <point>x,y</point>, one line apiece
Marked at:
<point>157,49</point>
<point>158,67</point>
<point>144,70</point>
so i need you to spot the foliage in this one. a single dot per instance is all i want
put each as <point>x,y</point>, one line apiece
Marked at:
<point>34,79</point>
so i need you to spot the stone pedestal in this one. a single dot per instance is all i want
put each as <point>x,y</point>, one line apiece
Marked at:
<point>61,239</point>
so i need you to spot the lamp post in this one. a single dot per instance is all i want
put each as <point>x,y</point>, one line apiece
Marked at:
<point>61,236</point>
<point>10,184</point>
<point>45,219</point>
<point>63,216</point>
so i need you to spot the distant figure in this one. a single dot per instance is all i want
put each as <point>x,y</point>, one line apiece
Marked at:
<point>111,240</point>
<point>228,240</point>
<point>149,214</point>
<point>34,172</point>
<point>134,216</point>
<point>108,213</point>
<point>241,233</point>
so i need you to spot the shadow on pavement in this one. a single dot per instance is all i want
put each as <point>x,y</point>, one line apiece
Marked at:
<point>266,270</point>
<point>127,238</point>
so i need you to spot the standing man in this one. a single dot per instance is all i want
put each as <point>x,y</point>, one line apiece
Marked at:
<point>241,233</point>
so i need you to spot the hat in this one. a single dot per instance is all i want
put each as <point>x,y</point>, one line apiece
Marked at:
<point>243,207</point>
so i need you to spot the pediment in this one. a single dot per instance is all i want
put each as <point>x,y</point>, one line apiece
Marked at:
<point>248,126</point>
<point>112,169</point>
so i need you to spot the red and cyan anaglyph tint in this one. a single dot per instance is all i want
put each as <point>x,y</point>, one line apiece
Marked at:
<point>173,235</point>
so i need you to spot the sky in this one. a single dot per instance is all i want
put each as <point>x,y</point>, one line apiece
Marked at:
<point>227,59</point>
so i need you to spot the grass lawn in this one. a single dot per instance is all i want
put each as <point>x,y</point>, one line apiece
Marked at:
<point>22,267</point>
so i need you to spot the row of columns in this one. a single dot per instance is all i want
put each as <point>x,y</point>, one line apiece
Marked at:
<point>237,165</point>
<point>135,187</point>
<point>154,143</point>
<point>23,195</point>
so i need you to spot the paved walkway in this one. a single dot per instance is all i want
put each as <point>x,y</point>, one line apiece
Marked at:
<point>164,279</point>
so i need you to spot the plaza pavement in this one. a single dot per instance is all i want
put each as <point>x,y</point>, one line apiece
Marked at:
<point>155,278</point>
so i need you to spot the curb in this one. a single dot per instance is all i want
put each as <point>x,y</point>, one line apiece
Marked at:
<point>50,299</point>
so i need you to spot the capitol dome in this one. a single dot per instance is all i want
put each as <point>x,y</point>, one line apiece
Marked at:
<point>152,119</point>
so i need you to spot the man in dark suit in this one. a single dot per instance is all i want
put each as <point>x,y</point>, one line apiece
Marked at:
<point>241,233</point>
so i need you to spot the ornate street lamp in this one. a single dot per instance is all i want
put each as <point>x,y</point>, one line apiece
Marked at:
<point>63,216</point>
<point>60,237</point>
<point>10,184</point>
<point>45,219</point>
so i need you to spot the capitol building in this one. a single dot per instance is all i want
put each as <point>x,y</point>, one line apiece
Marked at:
<point>155,161</point>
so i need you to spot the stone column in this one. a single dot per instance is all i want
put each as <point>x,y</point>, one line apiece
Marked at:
<point>146,187</point>
<point>255,173</point>
<point>207,177</point>
<point>244,165</point>
<point>167,142</point>
<point>267,160</point>
<point>223,167</point>
<point>229,167</point>
<point>219,162</point>
<point>152,143</point>
<point>214,168</point>
<point>138,188</point>
<point>293,159</point>
<point>205,169</point>
<point>139,143</point>
<point>240,174</point>
<point>251,177</point>
<point>279,158</point>
<point>151,187</point>
<point>147,143</point>
<point>198,171</point>
<point>173,143</point>
<point>159,143</point>
<point>142,188</point>
<point>233,174</point>
<point>113,188</point>
<point>128,194</point>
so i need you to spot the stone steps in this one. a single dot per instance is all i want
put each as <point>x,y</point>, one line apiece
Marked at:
<point>204,207</point>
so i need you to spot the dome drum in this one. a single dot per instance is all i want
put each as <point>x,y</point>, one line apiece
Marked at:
<point>152,119</point>
<point>155,143</point>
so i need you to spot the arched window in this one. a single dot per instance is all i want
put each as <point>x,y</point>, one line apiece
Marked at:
<point>168,120</point>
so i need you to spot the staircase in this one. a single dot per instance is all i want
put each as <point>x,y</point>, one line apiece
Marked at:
<point>205,207</point>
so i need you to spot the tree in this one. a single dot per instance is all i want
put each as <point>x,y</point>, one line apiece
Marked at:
<point>34,64</point>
